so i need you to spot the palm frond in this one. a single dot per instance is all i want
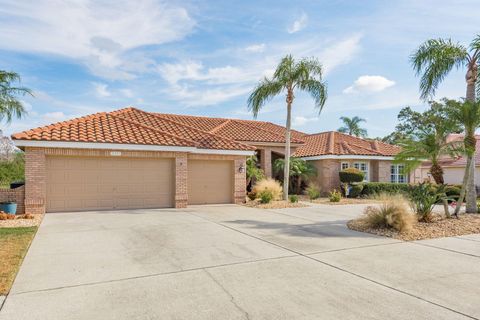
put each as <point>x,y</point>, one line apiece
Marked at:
<point>264,91</point>
<point>317,90</point>
<point>433,60</point>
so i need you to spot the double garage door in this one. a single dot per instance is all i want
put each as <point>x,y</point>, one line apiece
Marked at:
<point>82,183</point>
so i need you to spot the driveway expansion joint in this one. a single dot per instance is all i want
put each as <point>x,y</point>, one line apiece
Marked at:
<point>445,249</point>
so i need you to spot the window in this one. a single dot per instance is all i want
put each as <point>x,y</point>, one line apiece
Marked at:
<point>362,166</point>
<point>344,165</point>
<point>396,173</point>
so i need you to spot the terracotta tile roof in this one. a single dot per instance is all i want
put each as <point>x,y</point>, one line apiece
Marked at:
<point>103,128</point>
<point>204,139</point>
<point>336,143</point>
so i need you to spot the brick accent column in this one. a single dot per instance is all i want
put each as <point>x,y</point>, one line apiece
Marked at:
<point>35,180</point>
<point>181,176</point>
<point>240,181</point>
<point>266,161</point>
<point>330,179</point>
<point>384,171</point>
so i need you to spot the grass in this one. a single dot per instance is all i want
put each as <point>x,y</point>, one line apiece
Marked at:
<point>14,243</point>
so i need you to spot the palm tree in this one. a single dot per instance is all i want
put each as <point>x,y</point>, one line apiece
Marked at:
<point>10,106</point>
<point>429,146</point>
<point>254,173</point>
<point>290,75</point>
<point>432,61</point>
<point>468,115</point>
<point>351,126</point>
<point>299,168</point>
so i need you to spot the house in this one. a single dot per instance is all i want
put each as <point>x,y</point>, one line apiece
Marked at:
<point>130,158</point>
<point>453,168</point>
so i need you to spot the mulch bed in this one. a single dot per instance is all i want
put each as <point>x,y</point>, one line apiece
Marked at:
<point>440,227</point>
<point>282,204</point>
<point>20,222</point>
<point>343,201</point>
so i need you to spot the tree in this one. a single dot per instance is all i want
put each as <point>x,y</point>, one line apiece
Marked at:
<point>468,115</point>
<point>289,76</point>
<point>254,173</point>
<point>299,169</point>
<point>432,61</point>
<point>351,126</point>
<point>426,136</point>
<point>10,106</point>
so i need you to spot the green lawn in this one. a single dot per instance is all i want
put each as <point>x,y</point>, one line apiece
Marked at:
<point>14,243</point>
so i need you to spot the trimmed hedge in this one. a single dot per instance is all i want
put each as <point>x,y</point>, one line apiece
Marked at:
<point>372,188</point>
<point>355,190</point>
<point>351,175</point>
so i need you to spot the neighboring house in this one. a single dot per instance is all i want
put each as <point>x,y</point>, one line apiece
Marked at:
<point>135,159</point>
<point>453,168</point>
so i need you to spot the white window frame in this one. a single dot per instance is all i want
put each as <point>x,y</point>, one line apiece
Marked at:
<point>342,165</point>
<point>366,171</point>
<point>395,175</point>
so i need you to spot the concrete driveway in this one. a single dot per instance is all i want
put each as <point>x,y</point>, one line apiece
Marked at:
<point>233,262</point>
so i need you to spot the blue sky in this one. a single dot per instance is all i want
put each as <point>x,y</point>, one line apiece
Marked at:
<point>204,57</point>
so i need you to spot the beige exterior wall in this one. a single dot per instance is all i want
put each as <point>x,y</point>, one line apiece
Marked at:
<point>35,172</point>
<point>451,175</point>
<point>265,152</point>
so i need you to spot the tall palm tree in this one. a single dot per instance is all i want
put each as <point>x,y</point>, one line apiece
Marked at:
<point>10,106</point>
<point>468,115</point>
<point>290,75</point>
<point>352,127</point>
<point>432,61</point>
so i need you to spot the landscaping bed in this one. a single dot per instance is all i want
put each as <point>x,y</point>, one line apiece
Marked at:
<point>343,201</point>
<point>33,220</point>
<point>281,204</point>
<point>439,227</point>
<point>14,246</point>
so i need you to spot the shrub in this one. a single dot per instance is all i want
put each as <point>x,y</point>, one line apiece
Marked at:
<point>393,212</point>
<point>268,185</point>
<point>335,196</point>
<point>313,191</point>
<point>376,188</point>
<point>252,195</point>
<point>293,198</point>
<point>453,192</point>
<point>351,175</point>
<point>423,198</point>
<point>355,190</point>
<point>266,196</point>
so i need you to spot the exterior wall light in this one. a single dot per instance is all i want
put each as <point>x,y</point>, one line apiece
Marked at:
<point>241,169</point>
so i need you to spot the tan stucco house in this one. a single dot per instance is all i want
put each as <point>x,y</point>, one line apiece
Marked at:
<point>135,159</point>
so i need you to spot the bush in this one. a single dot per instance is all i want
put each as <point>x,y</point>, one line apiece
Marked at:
<point>453,192</point>
<point>293,198</point>
<point>313,191</point>
<point>355,190</point>
<point>268,185</point>
<point>266,196</point>
<point>335,196</point>
<point>393,212</point>
<point>252,195</point>
<point>12,170</point>
<point>351,175</point>
<point>376,188</point>
<point>423,198</point>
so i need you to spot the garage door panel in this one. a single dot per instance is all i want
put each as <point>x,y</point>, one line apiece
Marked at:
<point>210,182</point>
<point>76,184</point>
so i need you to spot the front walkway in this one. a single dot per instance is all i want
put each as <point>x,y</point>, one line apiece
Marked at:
<point>233,262</point>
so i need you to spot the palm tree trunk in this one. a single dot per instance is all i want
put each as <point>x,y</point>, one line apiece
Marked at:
<point>464,186</point>
<point>437,173</point>
<point>471,203</point>
<point>286,169</point>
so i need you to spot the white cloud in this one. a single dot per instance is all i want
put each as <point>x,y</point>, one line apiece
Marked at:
<point>93,32</point>
<point>301,121</point>
<point>206,96</point>
<point>368,83</point>
<point>299,24</point>
<point>127,93</point>
<point>52,117</point>
<point>256,48</point>
<point>101,90</point>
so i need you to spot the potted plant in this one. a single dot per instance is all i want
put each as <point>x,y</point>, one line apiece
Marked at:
<point>9,207</point>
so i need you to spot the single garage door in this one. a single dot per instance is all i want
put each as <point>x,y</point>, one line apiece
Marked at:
<point>210,181</point>
<point>78,183</point>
